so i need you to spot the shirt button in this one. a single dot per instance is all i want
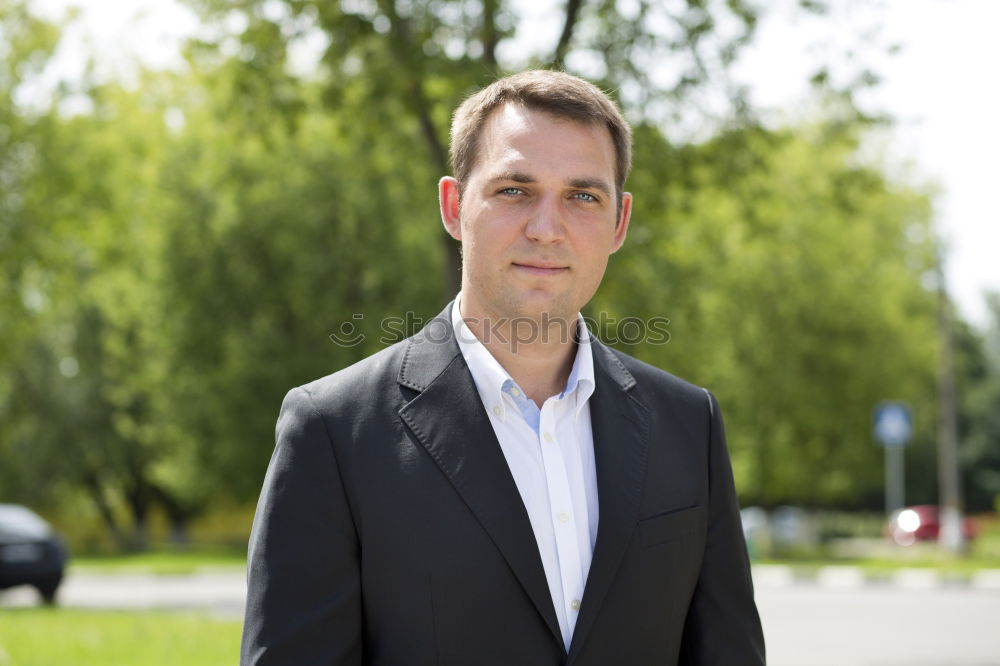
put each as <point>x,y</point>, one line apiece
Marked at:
<point>548,437</point>
<point>575,604</point>
<point>563,517</point>
<point>514,392</point>
<point>497,410</point>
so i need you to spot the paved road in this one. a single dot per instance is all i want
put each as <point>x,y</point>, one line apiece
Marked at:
<point>834,620</point>
<point>809,624</point>
<point>221,592</point>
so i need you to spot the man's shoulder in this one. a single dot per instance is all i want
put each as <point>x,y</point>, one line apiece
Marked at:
<point>385,373</point>
<point>363,380</point>
<point>655,379</point>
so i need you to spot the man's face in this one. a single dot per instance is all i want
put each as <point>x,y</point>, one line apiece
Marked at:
<point>538,217</point>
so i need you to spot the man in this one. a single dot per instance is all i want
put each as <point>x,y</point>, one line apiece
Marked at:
<point>501,488</point>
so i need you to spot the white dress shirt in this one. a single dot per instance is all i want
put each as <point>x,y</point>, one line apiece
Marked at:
<point>550,452</point>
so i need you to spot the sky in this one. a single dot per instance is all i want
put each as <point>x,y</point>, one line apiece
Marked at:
<point>940,86</point>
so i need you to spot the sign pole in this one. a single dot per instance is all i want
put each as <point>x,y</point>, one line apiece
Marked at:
<point>949,476</point>
<point>895,479</point>
<point>892,426</point>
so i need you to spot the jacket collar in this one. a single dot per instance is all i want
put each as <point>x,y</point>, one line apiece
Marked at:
<point>434,347</point>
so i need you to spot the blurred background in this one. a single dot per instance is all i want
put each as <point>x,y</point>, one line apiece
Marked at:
<point>195,195</point>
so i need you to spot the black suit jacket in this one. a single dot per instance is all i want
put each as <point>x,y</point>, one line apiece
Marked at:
<point>390,532</point>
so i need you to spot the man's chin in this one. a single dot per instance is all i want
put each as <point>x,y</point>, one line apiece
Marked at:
<point>542,307</point>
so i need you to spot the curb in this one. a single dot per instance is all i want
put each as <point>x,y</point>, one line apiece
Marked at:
<point>849,577</point>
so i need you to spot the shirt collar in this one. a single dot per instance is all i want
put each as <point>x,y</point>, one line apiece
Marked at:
<point>487,372</point>
<point>581,377</point>
<point>490,377</point>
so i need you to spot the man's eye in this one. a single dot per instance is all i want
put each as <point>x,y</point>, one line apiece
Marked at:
<point>510,191</point>
<point>585,196</point>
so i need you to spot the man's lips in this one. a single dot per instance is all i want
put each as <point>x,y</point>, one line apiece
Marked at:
<point>540,268</point>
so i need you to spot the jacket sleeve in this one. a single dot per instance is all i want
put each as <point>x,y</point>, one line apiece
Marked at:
<point>723,627</point>
<point>304,593</point>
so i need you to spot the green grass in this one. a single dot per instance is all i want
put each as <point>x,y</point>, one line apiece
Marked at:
<point>48,637</point>
<point>165,562</point>
<point>880,557</point>
<point>957,569</point>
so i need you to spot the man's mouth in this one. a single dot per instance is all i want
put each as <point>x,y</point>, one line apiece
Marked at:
<point>541,267</point>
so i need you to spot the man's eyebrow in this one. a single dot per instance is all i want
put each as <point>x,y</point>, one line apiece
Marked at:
<point>579,183</point>
<point>591,183</point>
<point>515,176</point>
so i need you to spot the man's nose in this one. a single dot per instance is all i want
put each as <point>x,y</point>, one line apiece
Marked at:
<point>546,223</point>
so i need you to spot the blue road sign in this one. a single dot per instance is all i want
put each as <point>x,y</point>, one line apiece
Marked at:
<point>893,424</point>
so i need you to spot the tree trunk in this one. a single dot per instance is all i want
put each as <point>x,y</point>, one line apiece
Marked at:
<point>178,514</point>
<point>138,498</point>
<point>569,23</point>
<point>96,492</point>
<point>490,35</point>
<point>452,278</point>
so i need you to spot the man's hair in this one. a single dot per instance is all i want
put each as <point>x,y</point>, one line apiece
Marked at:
<point>557,93</point>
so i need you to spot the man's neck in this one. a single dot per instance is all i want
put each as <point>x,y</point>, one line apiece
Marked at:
<point>538,354</point>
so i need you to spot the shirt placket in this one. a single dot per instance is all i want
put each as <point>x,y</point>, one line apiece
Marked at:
<point>561,513</point>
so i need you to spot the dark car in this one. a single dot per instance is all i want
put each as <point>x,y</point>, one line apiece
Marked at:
<point>921,523</point>
<point>30,552</point>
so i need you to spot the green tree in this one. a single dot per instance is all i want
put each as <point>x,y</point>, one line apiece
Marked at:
<point>280,235</point>
<point>978,385</point>
<point>26,248</point>
<point>79,364</point>
<point>84,390</point>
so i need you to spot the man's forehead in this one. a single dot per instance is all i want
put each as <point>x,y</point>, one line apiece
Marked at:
<point>517,118</point>
<point>510,133</point>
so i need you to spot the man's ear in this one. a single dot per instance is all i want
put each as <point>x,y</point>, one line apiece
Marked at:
<point>448,199</point>
<point>621,227</point>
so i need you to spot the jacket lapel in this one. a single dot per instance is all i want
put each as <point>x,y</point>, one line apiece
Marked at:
<point>448,418</point>
<point>620,425</point>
